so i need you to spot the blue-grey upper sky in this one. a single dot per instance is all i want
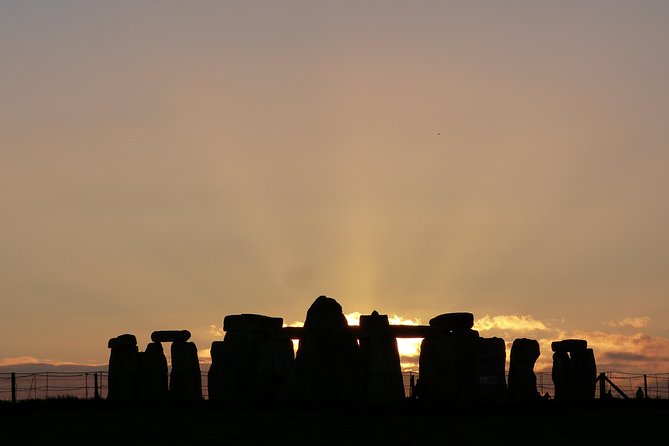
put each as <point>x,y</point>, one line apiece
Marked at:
<point>163,164</point>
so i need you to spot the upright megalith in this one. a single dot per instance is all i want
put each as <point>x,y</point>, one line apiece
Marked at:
<point>253,361</point>
<point>492,360</point>
<point>380,359</point>
<point>449,359</point>
<point>153,373</point>
<point>216,376</point>
<point>522,380</point>
<point>185,378</point>
<point>327,364</point>
<point>574,370</point>
<point>123,380</point>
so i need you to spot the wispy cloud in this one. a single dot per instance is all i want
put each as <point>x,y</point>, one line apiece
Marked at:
<point>19,360</point>
<point>204,355</point>
<point>33,364</point>
<point>294,324</point>
<point>216,331</point>
<point>394,319</point>
<point>512,322</point>
<point>633,322</point>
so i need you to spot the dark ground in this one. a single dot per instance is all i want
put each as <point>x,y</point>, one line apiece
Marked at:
<point>76,422</point>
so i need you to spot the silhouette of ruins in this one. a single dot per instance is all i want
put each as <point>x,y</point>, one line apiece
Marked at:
<point>335,362</point>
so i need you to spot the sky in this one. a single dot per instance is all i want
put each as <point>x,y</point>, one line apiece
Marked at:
<point>165,164</point>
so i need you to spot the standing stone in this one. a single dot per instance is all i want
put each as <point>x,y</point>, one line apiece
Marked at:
<point>327,365</point>
<point>574,370</point>
<point>437,367</point>
<point>381,370</point>
<point>123,378</point>
<point>449,359</point>
<point>153,373</point>
<point>562,375</point>
<point>492,362</point>
<point>585,374</point>
<point>185,378</point>
<point>467,364</point>
<point>522,380</point>
<point>216,375</point>
<point>253,362</point>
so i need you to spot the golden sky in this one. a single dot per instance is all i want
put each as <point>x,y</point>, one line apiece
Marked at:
<point>164,164</point>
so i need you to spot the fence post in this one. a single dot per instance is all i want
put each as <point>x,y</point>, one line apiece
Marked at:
<point>645,385</point>
<point>13,387</point>
<point>95,384</point>
<point>602,386</point>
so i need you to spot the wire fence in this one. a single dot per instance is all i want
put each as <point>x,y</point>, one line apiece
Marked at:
<point>46,385</point>
<point>544,382</point>
<point>89,385</point>
<point>654,385</point>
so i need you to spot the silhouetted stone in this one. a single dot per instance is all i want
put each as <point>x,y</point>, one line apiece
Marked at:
<point>561,373</point>
<point>123,378</point>
<point>381,370</point>
<point>522,380</point>
<point>185,378</point>
<point>216,373</point>
<point>252,363</point>
<point>492,361</point>
<point>153,373</point>
<point>574,370</point>
<point>585,373</point>
<point>449,365</point>
<point>467,364</point>
<point>170,336</point>
<point>437,368</point>
<point>569,345</point>
<point>453,321</point>
<point>122,341</point>
<point>252,322</point>
<point>327,365</point>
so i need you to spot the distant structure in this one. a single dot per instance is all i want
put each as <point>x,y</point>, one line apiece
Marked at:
<point>574,370</point>
<point>135,375</point>
<point>492,362</point>
<point>123,368</point>
<point>252,363</point>
<point>449,357</point>
<point>380,360</point>
<point>327,365</point>
<point>522,380</point>
<point>335,362</point>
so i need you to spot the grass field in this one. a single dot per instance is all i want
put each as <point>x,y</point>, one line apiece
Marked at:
<point>546,423</point>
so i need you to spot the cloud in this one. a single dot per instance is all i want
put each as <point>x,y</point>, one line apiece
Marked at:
<point>509,322</point>
<point>637,353</point>
<point>294,324</point>
<point>30,364</point>
<point>204,355</point>
<point>393,319</point>
<point>216,331</point>
<point>19,360</point>
<point>633,322</point>
<point>29,360</point>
